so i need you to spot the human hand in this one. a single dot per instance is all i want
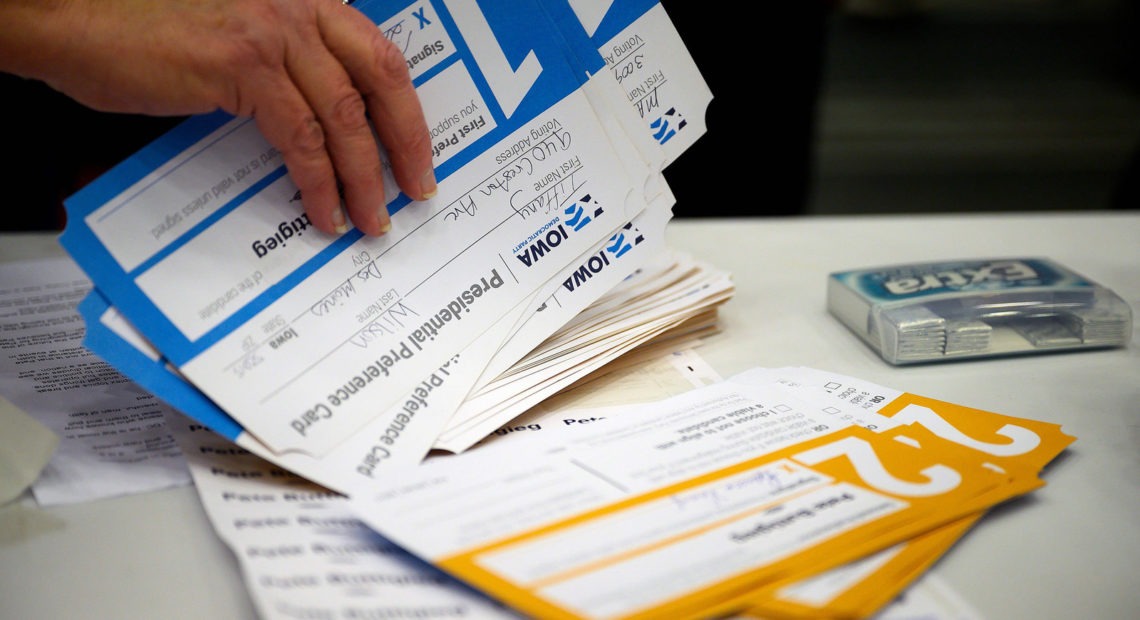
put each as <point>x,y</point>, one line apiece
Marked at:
<point>309,72</point>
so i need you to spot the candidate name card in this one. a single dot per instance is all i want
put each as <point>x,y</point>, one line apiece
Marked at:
<point>1017,447</point>
<point>748,484</point>
<point>303,338</point>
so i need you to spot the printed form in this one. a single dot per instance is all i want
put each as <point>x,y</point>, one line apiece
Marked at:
<point>112,436</point>
<point>860,588</point>
<point>680,507</point>
<point>304,553</point>
<point>296,344</point>
<point>1019,446</point>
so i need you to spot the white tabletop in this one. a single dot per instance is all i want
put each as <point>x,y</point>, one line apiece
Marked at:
<point>1064,551</point>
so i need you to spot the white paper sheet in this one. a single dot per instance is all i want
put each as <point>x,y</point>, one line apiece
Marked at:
<point>113,438</point>
<point>303,554</point>
<point>305,339</point>
<point>333,357</point>
<point>672,507</point>
<point>449,506</point>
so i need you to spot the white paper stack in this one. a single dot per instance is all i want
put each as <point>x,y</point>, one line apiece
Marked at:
<point>774,494</point>
<point>672,298</point>
<point>541,259</point>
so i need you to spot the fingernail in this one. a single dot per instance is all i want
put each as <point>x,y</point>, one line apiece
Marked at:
<point>383,220</point>
<point>428,185</point>
<point>339,222</point>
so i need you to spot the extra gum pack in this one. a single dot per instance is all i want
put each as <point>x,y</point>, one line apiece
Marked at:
<point>950,310</point>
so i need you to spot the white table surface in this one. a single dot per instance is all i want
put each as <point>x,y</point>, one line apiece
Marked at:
<point>1068,550</point>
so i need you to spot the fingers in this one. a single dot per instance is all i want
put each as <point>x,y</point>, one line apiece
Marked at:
<point>310,72</point>
<point>333,70</point>
<point>349,142</point>
<point>290,124</point>
<point>380,73</point>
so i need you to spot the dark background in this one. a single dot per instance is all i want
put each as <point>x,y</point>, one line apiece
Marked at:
<point>903,106</point>
<point>820,107</point>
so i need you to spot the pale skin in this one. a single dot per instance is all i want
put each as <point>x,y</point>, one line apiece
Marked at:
<point>307,72</point>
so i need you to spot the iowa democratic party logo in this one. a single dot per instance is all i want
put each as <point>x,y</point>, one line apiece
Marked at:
<point>543,241</point>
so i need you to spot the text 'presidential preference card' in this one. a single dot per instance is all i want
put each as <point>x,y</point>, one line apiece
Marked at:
<point>551,123</point>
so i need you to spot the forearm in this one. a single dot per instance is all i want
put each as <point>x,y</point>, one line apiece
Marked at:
<point>306,70</point>
<point>110,55</point>
<point>33,35</point>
